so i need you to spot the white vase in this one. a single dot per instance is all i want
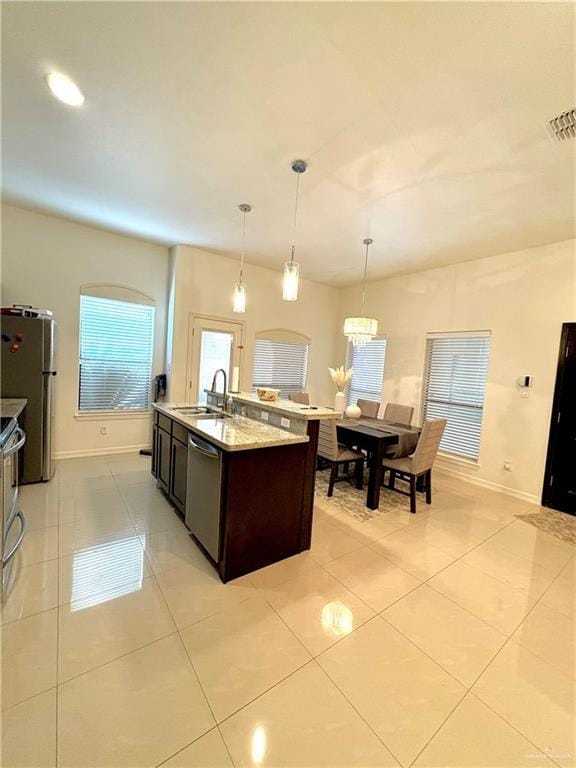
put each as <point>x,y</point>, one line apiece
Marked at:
<point>340,402</point>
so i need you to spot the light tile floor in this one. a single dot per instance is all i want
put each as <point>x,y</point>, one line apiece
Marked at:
<point>444,638</point>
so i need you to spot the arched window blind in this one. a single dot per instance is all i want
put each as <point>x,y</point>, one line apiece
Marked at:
<point>281,365</point>
<point>116,348</point>
<point>454,387</point>
<point>368,376</point>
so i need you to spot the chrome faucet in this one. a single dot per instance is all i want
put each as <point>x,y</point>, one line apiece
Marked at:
<point>225,392</point>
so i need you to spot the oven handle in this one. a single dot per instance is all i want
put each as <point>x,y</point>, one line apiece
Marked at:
<point>16,447</point>
<point>10,555</point>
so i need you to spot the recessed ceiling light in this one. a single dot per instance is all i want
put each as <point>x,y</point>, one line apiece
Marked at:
<point>65,89</point>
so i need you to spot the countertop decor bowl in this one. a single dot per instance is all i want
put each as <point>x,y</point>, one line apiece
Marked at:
<point>267,394</point>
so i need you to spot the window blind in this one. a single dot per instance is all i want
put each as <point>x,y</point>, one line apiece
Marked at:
<point>116,345</point>
<point>368,375</point>
<point>281,365</point>
<point>454,386</point>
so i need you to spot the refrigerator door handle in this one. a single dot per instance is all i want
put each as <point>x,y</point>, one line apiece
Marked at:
<point>47,430</point>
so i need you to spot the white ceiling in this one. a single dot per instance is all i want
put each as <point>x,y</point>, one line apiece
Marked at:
<point>425,126</point>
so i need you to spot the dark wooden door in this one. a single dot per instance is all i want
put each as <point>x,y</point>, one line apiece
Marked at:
<point>178,471</point>
<point>163,459</point>
<point>560,480</point>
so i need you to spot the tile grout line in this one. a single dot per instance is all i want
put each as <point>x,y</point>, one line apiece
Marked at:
<point>360,715</point>
<point>472,693</point>
<point>506,640</point>
<point>510,640</point>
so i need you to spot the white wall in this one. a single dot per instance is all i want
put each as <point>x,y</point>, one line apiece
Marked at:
<point>202,284</point>
<point>522,298</point>
<point>45,260</point>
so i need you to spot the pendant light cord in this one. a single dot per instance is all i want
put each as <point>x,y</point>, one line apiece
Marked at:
<point>243,240</point>
<point>295,218</point>
<point>365,273</point>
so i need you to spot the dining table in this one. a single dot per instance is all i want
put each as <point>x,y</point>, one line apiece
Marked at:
<point>378,438</point>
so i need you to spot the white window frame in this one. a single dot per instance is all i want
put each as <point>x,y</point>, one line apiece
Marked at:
<point>349,363</point>
<point>282,336</point>
<point>453,456</point>
<point>114,292</point>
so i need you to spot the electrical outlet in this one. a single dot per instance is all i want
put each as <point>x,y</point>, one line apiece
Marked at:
<point>508,466</point>
<point>285,423</point>
<point>103,430</point>
<point>264,415</point>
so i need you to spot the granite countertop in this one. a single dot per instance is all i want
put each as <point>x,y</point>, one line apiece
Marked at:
<point>287,407</point>
<point>235,433</point>
<point>12,406</point>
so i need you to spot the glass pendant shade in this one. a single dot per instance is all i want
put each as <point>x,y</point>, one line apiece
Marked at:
<point>290,281</point>
<point>360,330</point>
<point>239,297</point>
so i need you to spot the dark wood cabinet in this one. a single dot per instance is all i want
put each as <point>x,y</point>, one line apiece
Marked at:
<point>163,459</point>
<point>170,459</point>
<point>178,472</point>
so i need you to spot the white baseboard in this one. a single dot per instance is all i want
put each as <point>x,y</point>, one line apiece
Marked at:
<point>99,451</point>
<point>529,497</point>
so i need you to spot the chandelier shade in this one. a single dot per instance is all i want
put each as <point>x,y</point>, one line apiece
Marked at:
<point>360,330</point>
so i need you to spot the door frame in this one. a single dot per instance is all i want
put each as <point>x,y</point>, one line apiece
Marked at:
<point>192,363</point>
<point>552,451</point>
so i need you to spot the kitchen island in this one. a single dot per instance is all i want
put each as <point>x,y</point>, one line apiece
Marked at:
<point>239,484</point>
<point>300,420</point>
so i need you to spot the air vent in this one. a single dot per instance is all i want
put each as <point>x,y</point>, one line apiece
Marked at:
<point>564,125</point>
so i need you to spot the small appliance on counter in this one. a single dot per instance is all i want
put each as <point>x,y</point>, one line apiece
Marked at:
<point>12,439</point>
<point>28,370</point>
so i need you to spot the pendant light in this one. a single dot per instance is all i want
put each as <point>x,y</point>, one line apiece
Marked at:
<point>361,330</point>
<point>239,295</point>
<point>292,268</point>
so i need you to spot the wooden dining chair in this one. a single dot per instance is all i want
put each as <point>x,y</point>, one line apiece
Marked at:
<point>368,408</point>
<point>398,414</point>
<point>335,455</point>
<point>299,397</point>
<point>419,464</point>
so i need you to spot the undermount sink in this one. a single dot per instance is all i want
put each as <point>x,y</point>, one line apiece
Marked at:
<point>200,412</point>
<point>211,415</point>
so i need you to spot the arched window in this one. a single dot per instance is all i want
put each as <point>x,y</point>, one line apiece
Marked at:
<point>116,348</point>
<point>280,360</point>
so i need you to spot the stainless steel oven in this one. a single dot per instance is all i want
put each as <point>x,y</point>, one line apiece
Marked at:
<point>12,438</point>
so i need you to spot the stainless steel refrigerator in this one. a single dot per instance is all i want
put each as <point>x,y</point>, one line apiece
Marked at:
<point>28,370</point>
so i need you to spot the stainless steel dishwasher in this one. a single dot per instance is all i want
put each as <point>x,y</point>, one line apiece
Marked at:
<point>203,494</point>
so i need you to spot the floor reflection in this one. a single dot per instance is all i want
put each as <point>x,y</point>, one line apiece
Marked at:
<point>338,618</point>
<point>107,571</point>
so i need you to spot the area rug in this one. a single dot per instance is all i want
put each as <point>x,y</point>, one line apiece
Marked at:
<point>559,524</point>
<point>347,498</point>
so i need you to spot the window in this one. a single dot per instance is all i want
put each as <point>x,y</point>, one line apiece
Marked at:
<point>281,365</point>
<point>116,345</point>
<point>454,385</point>
<point>368,375</point>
